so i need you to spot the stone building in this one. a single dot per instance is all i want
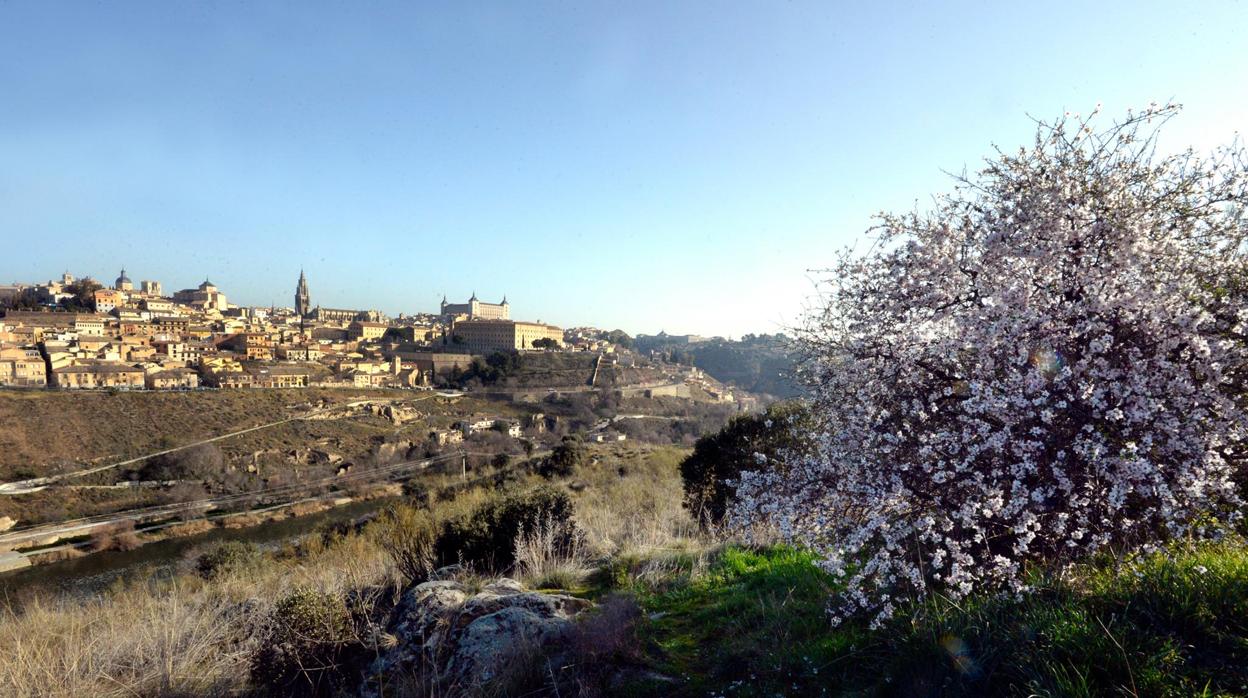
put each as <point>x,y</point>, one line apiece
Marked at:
<point>477,310</point>
<point>105,299</point>
<point>86,376</point>
<point>256,346</point>
<point>206,296</point>
<point>279,377</point>
<point>342,317</point>
<point>485,336</point>
<point>22,367</point>
<point>123,283</point>
<point>173,379</point>
<point>360,330</point>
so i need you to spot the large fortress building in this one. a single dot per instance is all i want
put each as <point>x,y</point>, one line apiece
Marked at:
<point>477,310</point>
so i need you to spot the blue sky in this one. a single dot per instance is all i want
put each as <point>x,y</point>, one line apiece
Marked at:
<point>647,166</point>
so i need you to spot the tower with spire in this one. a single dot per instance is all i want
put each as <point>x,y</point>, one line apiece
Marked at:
<point>303,300</point>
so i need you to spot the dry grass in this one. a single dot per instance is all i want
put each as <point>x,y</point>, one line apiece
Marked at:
<point>190,528</point>
<point>191,636</point>
<point>544,562</point>
<point>181,637</point>
<point>633,502</point>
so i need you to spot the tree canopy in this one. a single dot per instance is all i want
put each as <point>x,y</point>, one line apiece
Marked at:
<point>1045,366</point>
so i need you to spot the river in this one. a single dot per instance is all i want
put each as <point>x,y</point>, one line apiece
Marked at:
<point>95,572</point>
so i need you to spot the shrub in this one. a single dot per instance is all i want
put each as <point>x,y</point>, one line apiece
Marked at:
<point>486,538</point>
<point>227,557</point>
<point>116,536</point>
<point>748,443</point>
<point>1042,368</point>
<point>408,535</point>
<point>564,460</point>
<point>306,643</point>
<point>202,462</point>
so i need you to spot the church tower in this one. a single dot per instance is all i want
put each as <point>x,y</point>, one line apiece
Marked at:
<point>303,301</point>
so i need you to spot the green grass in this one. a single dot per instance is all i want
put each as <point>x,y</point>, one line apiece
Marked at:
<point>754,624</point>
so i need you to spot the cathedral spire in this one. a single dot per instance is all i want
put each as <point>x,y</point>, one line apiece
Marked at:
<point>303,299</point>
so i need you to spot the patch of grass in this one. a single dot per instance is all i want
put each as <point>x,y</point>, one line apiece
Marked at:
<point>754,624</point>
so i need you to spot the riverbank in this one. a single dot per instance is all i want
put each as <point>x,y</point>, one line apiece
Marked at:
<point>161,558</point>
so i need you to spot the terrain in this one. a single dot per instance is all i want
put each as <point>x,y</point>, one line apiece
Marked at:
<point>671,610</point>
<point>761,364</point>
<point>90,471</point>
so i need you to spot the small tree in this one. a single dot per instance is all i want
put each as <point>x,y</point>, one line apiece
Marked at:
<point>564,460</point>
<point>748,443</point>
<point>83,298</point>
<point>1043,367</point>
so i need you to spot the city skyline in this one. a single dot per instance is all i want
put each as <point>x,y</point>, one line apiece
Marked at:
<point>299,284</point>
<point>649,168</point>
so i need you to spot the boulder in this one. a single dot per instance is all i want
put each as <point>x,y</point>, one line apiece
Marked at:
<point>392,451</point>
<point>451,637</point>
<point>6,523</point>
<point>447,572</point>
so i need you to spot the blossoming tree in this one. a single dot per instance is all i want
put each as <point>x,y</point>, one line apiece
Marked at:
<point>1048,364</point>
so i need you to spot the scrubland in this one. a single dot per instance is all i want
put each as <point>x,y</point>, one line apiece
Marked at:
<point>681,612</point>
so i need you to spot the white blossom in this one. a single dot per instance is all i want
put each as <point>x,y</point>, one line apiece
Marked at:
<point>1044,366</point>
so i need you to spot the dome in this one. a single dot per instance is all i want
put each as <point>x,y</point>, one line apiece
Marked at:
<point>123,279</point>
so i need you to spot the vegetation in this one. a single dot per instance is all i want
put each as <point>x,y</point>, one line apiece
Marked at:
<point>754,624</point>
<point>96,428</point>
<point>81,299</point>
<point>409,536</point>
<point>1039,370</point>
<point>1018,478</point>
<point>680,614</point>
<point>564,460</point>
<point>486,538</point>
<point>227,558</point>
<point>307,635</point>
<point>749,443</point>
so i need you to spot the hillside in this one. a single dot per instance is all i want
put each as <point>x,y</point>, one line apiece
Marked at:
<point>758,363</point>
<point>652,607</point>
<point>50,432</point>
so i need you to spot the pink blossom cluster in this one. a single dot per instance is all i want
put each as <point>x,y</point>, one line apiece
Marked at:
<point>1049,364</point>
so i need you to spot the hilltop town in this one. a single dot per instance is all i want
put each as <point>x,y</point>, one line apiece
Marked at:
<point>75,333</point>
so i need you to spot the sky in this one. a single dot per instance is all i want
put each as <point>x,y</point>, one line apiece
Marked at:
<point>678,166</point>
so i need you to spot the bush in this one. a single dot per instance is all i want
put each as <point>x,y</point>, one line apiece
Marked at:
<point>117,536</point>
<point>1045,367</point>
<point>203,462</point>
<point>227,557</point>
<point>408,536</point>
<point>762,442</point>
<point>306,643</point>
<point>486,539</point>
<point>564,460</point>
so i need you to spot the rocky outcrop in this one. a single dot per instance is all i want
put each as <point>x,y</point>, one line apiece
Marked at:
<point>393,451</point>
<point>461,640</point>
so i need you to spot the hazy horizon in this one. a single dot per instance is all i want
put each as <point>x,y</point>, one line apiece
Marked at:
<point>649,167</point>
